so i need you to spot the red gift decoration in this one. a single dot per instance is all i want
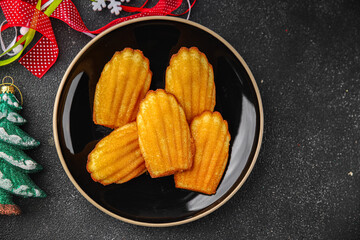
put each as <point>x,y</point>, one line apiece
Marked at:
<point>45,52</point>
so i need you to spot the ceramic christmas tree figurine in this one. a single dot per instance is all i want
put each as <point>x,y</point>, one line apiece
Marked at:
<point>15,165</point>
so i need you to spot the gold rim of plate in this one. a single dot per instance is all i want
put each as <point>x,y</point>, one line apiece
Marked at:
<point>60,89</point>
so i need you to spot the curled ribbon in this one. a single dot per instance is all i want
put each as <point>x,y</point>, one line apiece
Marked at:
<point>28,13</point>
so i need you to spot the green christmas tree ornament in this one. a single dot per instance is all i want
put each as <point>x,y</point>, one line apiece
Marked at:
<point>15,165</point>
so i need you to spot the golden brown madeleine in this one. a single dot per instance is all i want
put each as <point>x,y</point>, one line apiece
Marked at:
<point>164,135</point>
<point>211,136</point>
<point>124,82</point>
<point>117,157</point>
<point>190,78</point>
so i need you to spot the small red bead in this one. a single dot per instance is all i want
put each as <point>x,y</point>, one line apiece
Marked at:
<point>18,38</point>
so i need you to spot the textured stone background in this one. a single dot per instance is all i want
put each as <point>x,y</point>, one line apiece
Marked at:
<point>305,58</point>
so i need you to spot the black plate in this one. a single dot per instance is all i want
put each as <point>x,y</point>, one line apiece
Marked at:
<point>143,200</point>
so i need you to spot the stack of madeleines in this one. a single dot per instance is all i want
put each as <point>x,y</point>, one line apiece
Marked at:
<point>164,132</point>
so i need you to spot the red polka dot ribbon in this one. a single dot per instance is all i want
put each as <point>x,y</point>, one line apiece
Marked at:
<point>44,54</point>
<point>23,13</point>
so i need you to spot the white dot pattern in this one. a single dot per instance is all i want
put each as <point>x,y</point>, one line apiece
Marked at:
<point>32,2</point>
<point>68,13</point>
<point>41,57</point>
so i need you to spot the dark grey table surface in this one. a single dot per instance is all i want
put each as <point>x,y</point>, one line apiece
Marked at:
<point>305,56</point>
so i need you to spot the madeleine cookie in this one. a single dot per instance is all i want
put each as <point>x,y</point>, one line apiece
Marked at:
<point>211,136</point>
<point>124,82</point>
<point>117,158</point>
<point>190,78</point>
<point>164,135</point>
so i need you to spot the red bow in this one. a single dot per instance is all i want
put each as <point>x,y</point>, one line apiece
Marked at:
<point>45,52</point>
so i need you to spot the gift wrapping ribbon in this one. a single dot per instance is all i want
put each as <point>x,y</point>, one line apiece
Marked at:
<point>29,13</point>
